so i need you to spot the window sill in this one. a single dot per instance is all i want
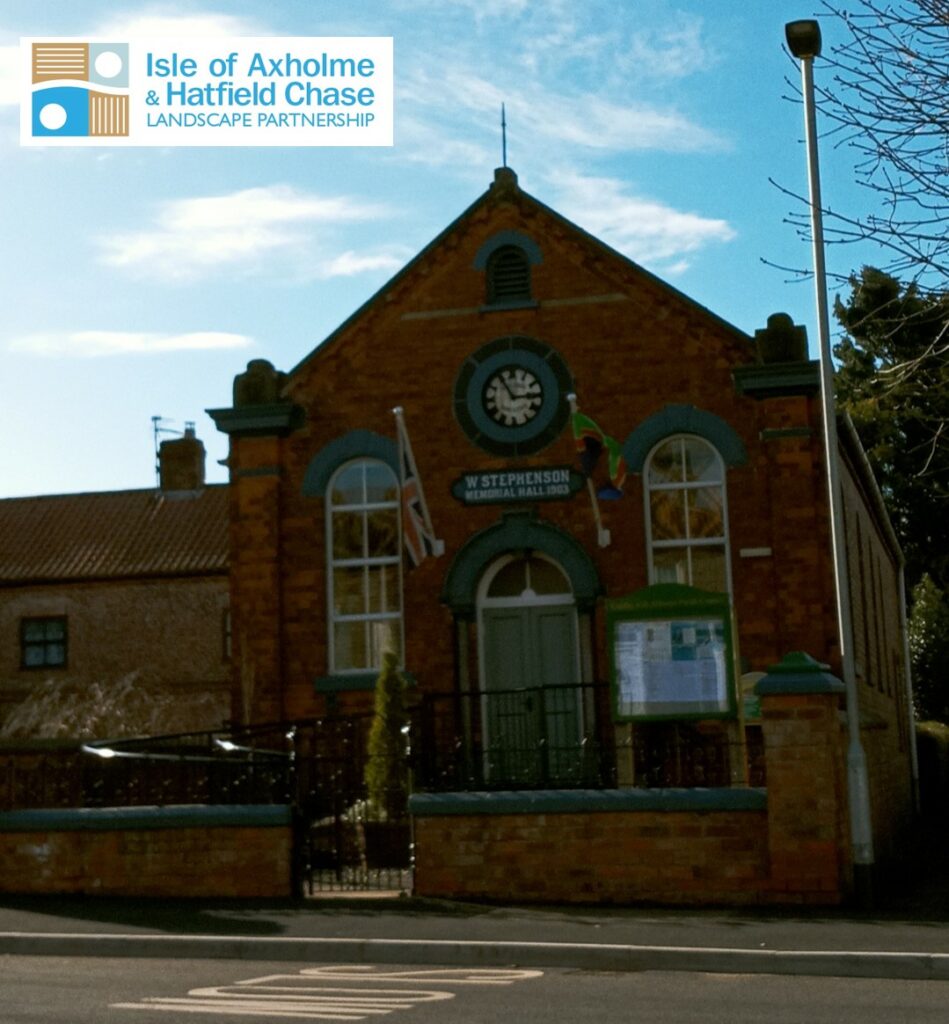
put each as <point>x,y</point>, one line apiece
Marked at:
<point>353,681</point>
<point>501,307</point>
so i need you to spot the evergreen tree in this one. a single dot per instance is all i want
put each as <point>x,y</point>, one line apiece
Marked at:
<point>893,379</point>
<point>386,769</point>
<point>929,651</point>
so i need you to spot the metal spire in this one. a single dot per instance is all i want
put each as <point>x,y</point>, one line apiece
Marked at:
<point>503,138</point>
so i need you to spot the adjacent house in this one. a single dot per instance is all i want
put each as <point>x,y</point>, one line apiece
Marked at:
<point>114,607</point>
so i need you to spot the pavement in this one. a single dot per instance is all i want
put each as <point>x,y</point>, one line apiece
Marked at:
<point>905,936</point>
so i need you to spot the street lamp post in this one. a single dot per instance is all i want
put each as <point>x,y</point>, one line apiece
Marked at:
<point>804,42</point>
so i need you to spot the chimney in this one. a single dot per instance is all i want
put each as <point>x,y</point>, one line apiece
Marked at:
<point>181,462</point>
<point>782,341</point>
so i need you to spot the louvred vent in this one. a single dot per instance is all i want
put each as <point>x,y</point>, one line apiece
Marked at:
<point>509,275</point>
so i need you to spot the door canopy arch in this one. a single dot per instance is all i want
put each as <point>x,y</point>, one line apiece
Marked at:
<point>518,532</point>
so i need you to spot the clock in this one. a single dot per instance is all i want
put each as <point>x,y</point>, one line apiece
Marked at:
<point>510,396</point>
<point>513,396</point>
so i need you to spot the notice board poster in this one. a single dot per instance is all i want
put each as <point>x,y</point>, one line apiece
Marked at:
<point>671,666</point>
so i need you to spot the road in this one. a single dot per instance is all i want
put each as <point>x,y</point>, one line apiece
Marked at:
<point>55,990</point>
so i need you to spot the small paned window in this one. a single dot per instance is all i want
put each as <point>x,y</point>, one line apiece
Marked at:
<point>365,566</point>
<point>686,516</point>
<point>508,276</point>
<point>43,642</point>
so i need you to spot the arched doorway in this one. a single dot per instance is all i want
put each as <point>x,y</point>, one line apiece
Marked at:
<point>529,668</point>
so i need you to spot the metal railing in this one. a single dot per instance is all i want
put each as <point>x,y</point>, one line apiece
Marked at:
<point>187,768</point>
<point>527,738</point>
<point>540,737</point>
<point>564,737</point>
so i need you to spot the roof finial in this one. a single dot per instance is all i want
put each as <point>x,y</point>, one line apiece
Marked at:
<point>503,138</point>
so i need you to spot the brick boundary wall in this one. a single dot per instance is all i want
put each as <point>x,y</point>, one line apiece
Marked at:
<point>786,844</point>
<point>591,846</point>
<point>206,851</point>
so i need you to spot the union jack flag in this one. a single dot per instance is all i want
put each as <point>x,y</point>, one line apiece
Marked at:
<point>417,531</point>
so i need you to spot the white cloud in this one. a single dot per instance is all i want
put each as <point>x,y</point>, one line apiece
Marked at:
<point>422,142</point>
<point>674,51</point>
<point>602,46</point>
<point>9,75</point>
<point>88,344</point>
<point>349,263</point>
<point>196,237</point>
<point>644,229</point>
<point>154,22</point>
<point>597,42</point>
<point>481,10</point>
<point>617,124</point>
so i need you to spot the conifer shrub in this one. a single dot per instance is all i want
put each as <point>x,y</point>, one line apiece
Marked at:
<point>386,774</point>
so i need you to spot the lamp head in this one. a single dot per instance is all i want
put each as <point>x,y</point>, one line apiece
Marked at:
<point>803,38</point>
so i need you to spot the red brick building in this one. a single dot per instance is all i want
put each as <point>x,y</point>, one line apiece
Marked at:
<point>480,340</point>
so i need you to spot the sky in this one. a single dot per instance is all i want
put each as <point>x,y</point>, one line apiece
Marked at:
<point>136,282</point>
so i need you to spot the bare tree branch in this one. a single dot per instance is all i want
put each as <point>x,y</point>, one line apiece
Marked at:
<point>884,91</point>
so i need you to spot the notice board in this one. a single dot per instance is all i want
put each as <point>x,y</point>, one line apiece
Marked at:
<point>671,654</point>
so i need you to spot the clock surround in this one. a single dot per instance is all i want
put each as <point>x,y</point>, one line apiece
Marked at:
<point>510,396</point>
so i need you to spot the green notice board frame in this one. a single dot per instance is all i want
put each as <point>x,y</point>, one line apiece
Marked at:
<point>672,654</point>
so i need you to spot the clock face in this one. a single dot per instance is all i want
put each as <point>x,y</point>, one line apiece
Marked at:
<point>511,396</point>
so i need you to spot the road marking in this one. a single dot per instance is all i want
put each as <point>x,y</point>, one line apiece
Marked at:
<point>249,1009</point>
<point>445,975</point>
<point>308,996</point>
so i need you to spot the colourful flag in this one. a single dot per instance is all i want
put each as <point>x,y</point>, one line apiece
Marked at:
<point>417,532</point>
<point>591,443</point>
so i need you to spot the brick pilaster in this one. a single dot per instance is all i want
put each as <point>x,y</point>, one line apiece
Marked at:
<point>805,758</point>
<point>256,425</point>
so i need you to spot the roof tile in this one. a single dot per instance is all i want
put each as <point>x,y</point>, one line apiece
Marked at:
<point>113,534</point>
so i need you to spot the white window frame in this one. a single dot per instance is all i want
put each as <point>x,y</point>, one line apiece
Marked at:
<point>687,542</point>
<point>332,563</point>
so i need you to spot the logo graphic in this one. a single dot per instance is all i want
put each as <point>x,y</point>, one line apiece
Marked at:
<point>80,89</point>
<point>206,91</point>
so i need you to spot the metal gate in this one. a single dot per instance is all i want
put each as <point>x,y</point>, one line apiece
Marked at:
<point>346,841</point>
<point>343,841</point>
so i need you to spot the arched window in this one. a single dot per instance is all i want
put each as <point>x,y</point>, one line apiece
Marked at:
<point>686,515</point>
<point>508,276</point>
<point>528,579</point>
<point>365,565</point>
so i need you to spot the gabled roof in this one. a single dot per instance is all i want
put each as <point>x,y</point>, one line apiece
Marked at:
<point>505,184</point>
<point>113,535</point>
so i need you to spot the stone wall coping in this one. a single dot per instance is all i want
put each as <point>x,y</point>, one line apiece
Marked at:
<point>263,420</point>
<point>798,673</point>
<point>777,380</point>
<point>585,801</point>
<point>102,819</point>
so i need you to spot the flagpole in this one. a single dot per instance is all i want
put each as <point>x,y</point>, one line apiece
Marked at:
<point>602,534</point>
<point>438,546</point>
